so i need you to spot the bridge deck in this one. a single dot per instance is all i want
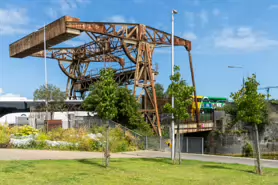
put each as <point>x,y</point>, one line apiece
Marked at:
<point>193,127</point>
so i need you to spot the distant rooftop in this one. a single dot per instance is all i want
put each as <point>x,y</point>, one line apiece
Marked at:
<point>11,97</point>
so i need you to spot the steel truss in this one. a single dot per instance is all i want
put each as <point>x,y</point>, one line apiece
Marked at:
<point>117,43</point>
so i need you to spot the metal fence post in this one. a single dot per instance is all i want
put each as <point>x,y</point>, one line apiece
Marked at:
<point>202,145</point>
<point>186,144</point>
<point>160,143</point>
<point>146,144</point>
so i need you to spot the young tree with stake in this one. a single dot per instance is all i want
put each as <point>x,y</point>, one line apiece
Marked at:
<point>183,100</point>
<point>252,109</point>
<point>103,100</point>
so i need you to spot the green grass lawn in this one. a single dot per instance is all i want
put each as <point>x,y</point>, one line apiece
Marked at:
<point>130,171</point>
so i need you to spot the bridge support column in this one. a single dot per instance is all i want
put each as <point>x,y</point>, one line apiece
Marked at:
<point>145,79</point>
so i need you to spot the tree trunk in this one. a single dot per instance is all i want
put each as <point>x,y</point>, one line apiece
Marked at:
<point>107,153</point>
<point>257,150</point>
<point>179,142</point>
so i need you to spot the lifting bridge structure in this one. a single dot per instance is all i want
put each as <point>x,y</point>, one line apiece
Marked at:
<point>110,42</point>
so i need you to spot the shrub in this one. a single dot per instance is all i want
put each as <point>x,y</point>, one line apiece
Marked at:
<point>97,129</point>
<point>25,130</point>
<point>56,134</point>
<point>42,137</point>
<point>69,139</point>
<point>247,150</point>
<point>119,142</point>
<point>88,144</point>
<point>4,139</point>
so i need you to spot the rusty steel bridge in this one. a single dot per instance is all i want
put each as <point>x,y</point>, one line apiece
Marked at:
<point>119,43</point>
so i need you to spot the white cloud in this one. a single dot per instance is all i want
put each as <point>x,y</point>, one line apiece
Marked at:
<point>216,12</point>
<point>243,38</point>
<point>204,17</point>
<point>273,6</point>
<point>13,21</point>
<point>67,5</point>
<point>190,36</point>
<point>120,19</point>
<point>13,16</point>
<point>63,7</point>
<point>12,30</point>
<point>1,91</point>
<point>190,17</point>
<point>51,13</point>
<point>116,18</point>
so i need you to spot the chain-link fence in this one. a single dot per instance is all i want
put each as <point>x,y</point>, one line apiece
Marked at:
<point>188,144</point>
<point>238,143</point>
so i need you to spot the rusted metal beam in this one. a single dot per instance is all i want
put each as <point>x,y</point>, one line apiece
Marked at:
<point>110,43</point>
<point>194,85</point>
<point>144,78</point>
<point>67,27</point>
<point>132,32</point>
<point>56,32</point>
<point>83,55</point>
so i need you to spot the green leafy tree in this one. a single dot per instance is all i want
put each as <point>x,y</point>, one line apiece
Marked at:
<point>128,112</point>
<point>252,109</point>
<point>103,100</point>
<point>159,89</point>
<point>53,95</point>
<point>166,93</point>
<point>103,96</point>
<point>183,99</point>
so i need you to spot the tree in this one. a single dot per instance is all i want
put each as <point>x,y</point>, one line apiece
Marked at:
<point>252,110</point>
<point>53,95</point>
<point>103,96</point>
<point>159,89</point>
<point>127,107</point>
<point>128,112</point>
<point>103,99</point>
<point>183,100</point>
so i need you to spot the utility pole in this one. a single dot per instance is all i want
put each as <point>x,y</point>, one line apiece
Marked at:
<point>173,98</point>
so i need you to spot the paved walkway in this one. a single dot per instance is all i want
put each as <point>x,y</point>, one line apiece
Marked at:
<point>17,154</point>
<point>208,158</point>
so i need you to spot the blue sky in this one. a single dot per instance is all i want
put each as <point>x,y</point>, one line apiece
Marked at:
<point>223,32</point>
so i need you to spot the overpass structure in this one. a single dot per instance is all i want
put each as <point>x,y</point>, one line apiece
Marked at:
<point>120,43</point>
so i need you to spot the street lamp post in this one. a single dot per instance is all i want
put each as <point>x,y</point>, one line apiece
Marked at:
<point>173,105</point>
<point>238,67</point>
<point>45,73</point>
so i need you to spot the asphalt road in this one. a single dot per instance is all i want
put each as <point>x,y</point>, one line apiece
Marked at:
<point>17,154</point>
